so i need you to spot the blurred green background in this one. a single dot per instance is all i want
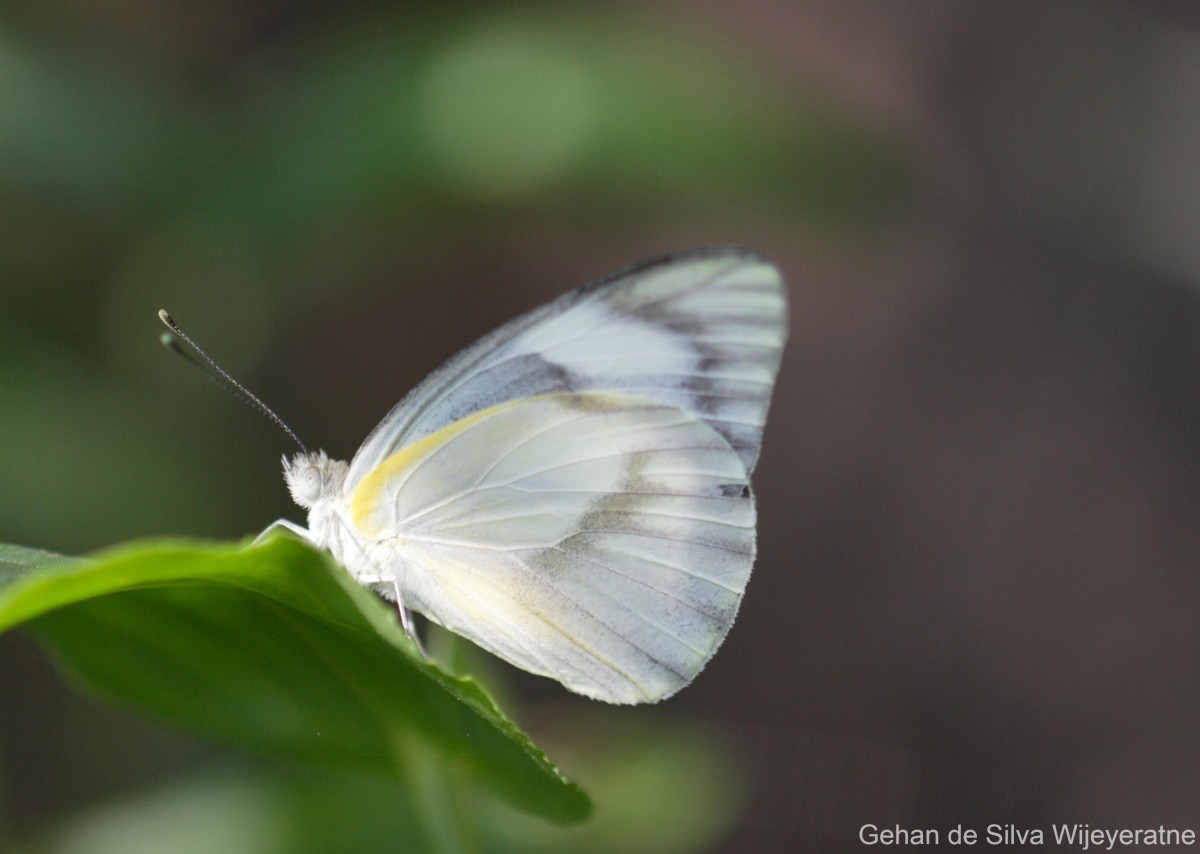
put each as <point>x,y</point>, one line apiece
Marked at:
<point>977,580</point>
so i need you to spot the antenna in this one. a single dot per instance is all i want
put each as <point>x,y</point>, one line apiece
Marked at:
<point>217,374</point>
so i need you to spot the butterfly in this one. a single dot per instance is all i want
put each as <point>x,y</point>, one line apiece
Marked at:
<point>572,492</point>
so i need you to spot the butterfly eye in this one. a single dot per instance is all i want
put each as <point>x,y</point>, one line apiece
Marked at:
<point>304,482</point>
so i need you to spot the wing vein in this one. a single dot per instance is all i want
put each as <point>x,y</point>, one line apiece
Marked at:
<point>690,606</point>
<point>542,581</point>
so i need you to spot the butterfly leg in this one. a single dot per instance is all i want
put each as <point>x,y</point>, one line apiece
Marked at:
<point>286,525</point>
<point>406,621</point>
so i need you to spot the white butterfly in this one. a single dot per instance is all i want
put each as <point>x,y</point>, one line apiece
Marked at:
<point>572,492</point>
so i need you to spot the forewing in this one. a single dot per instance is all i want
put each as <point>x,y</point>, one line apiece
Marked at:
<point>602,540</point>
<point>701,331</point>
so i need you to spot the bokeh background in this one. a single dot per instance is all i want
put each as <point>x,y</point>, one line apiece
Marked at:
<point>977,593</point>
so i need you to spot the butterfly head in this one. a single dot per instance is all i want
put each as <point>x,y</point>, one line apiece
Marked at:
<point>312,477</point>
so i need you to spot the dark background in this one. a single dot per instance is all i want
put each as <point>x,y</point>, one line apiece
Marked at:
<point>976,595</point>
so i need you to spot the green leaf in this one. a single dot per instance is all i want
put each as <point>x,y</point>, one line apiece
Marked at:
<point>277,649</point>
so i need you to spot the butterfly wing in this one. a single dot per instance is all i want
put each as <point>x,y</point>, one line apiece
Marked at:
<point>603,540</point>
<point>701,331</point>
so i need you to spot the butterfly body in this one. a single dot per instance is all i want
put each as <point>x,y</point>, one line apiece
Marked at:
<point>572,492</point>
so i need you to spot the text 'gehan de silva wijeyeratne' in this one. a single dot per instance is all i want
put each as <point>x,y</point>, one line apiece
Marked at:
<point>1085,837</point>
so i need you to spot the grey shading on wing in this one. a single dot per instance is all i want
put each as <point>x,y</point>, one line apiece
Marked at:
<point>701,331</point>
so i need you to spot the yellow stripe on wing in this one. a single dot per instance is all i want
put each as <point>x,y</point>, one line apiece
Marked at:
<point>369,495</point>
